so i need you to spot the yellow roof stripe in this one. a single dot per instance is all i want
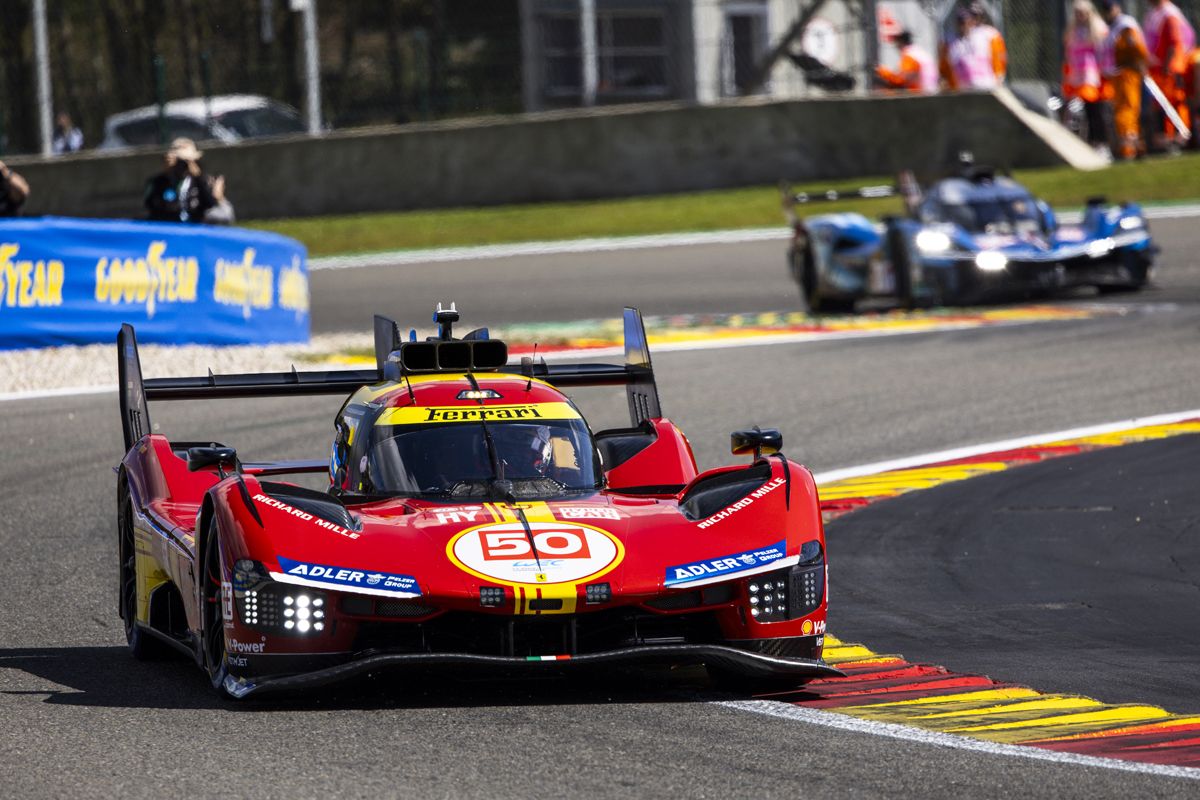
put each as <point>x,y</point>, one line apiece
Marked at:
<point>516,412</point>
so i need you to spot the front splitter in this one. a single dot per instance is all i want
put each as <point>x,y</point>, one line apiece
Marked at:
<point>750,665</point>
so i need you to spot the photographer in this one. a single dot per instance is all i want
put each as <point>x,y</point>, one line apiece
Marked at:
<point>182,192</point>
<point>13,192</point>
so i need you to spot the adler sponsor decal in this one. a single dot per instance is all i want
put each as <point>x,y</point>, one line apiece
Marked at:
<point>384,582</point>
<point>307,517</point>
<point>26,284</point>
<point>745,502</point>
<point>151,280</point>
<point>725,565</point>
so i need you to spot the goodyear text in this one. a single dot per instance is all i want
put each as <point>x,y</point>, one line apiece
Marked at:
<point>150,280</point>
<point>24,284</point>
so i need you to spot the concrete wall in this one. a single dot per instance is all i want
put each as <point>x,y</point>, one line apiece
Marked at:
<point>610,152</point>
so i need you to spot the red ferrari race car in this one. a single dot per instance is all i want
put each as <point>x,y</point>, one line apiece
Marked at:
<point>471,518</point>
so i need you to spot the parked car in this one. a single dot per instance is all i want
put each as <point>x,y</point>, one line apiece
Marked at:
<point>224,118</point>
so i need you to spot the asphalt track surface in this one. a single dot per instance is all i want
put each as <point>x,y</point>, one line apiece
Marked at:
<point>81,718</point>
<point>1080,575</point>
<point>735,278</point>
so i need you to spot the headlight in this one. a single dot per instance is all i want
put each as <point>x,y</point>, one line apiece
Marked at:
<point>933,242</point>
<point>789,593</point>
<point>1132,223</point>
<point>991,261</point>
<point>1100,248</point>
<point>279,607</point>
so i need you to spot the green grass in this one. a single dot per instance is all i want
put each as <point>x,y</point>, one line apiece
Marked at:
<point>1159,180</point>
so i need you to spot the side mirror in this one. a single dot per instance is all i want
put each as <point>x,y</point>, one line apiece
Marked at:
<point>756,442</point>
<point>204,457</point>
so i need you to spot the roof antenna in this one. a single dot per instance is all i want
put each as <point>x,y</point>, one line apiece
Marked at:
<point>529,383</point>
<point>412,397</point>
<point>445,319</point>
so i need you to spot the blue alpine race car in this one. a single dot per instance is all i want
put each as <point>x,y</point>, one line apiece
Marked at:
<point>965,239</point>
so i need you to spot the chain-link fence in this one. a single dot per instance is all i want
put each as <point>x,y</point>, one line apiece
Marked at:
<point>380,60</point>
<point>1034,31</point>
<point>388,61</point>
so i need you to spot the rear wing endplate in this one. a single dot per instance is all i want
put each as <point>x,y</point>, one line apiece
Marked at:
<point>636,374</point>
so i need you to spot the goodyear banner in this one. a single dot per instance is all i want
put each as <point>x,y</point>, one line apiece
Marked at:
<point>74,281</point>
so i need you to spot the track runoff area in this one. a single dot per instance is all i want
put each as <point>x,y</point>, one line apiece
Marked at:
<point>885,695</point>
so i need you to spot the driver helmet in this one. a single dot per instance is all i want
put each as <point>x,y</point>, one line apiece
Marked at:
<point>527,450</point>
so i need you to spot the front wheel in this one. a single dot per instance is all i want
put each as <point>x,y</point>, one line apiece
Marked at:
<point>142,644</point>
<point>1137,266</point>
<point>804,270</point>
<point>212,600</point>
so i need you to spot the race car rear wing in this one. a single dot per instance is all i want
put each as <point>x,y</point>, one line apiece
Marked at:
<point>136,392</point>
<point>906,187</point>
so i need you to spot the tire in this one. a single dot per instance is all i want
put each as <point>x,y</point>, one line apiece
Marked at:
<point>897,249</point>
<point>212,622</point>
<point>804,270</point>
<point>142,644</point>
<point>1138,267</point>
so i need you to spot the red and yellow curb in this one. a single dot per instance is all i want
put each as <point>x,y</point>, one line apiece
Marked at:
<point>698,331</point>
<point>887,688</point>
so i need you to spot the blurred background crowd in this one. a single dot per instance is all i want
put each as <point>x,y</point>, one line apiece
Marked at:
<point>123,73</point>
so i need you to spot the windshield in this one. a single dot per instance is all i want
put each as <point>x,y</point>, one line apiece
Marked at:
<point>264,121</point>
<point>539,459</point>
<point>1000,215</point>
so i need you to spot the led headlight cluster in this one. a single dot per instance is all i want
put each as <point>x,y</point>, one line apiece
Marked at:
<point>810,595</point>
<point>302,613</point>
<point>250,608</point>
<point>491,596</point>
<point>595,593</point>
<point>768,597</point>
<point>269,605</point>
<point>789,593</point>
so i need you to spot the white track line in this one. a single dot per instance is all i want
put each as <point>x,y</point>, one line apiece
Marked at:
<point>398,258</point>
<point>597,245</point>
<point>829,719</point>
<point>999,447</point>
<point>65,391</point>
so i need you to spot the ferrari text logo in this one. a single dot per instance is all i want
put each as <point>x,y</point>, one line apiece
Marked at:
<point>483,412</point>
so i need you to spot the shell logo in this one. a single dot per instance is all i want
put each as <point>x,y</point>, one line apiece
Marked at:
<point>565,553</point>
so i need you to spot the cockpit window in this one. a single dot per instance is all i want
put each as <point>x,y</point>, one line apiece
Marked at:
<point>995,215</point>
<point>542,458</point>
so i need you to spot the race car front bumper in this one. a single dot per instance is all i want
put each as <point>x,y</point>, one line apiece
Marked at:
<point>731,659</point>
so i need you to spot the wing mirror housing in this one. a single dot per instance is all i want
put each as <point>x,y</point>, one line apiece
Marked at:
<point>756,441</point>
<point>204,457</point>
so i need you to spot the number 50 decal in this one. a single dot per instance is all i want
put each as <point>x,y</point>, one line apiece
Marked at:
<point>560,543</point>
<point>567,553</point>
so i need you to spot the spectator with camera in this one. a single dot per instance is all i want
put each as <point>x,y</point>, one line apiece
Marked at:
<point>183,192</point>
<point>13,192</point>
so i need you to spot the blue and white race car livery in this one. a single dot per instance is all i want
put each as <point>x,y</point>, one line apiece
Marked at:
<point>966,238</point>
